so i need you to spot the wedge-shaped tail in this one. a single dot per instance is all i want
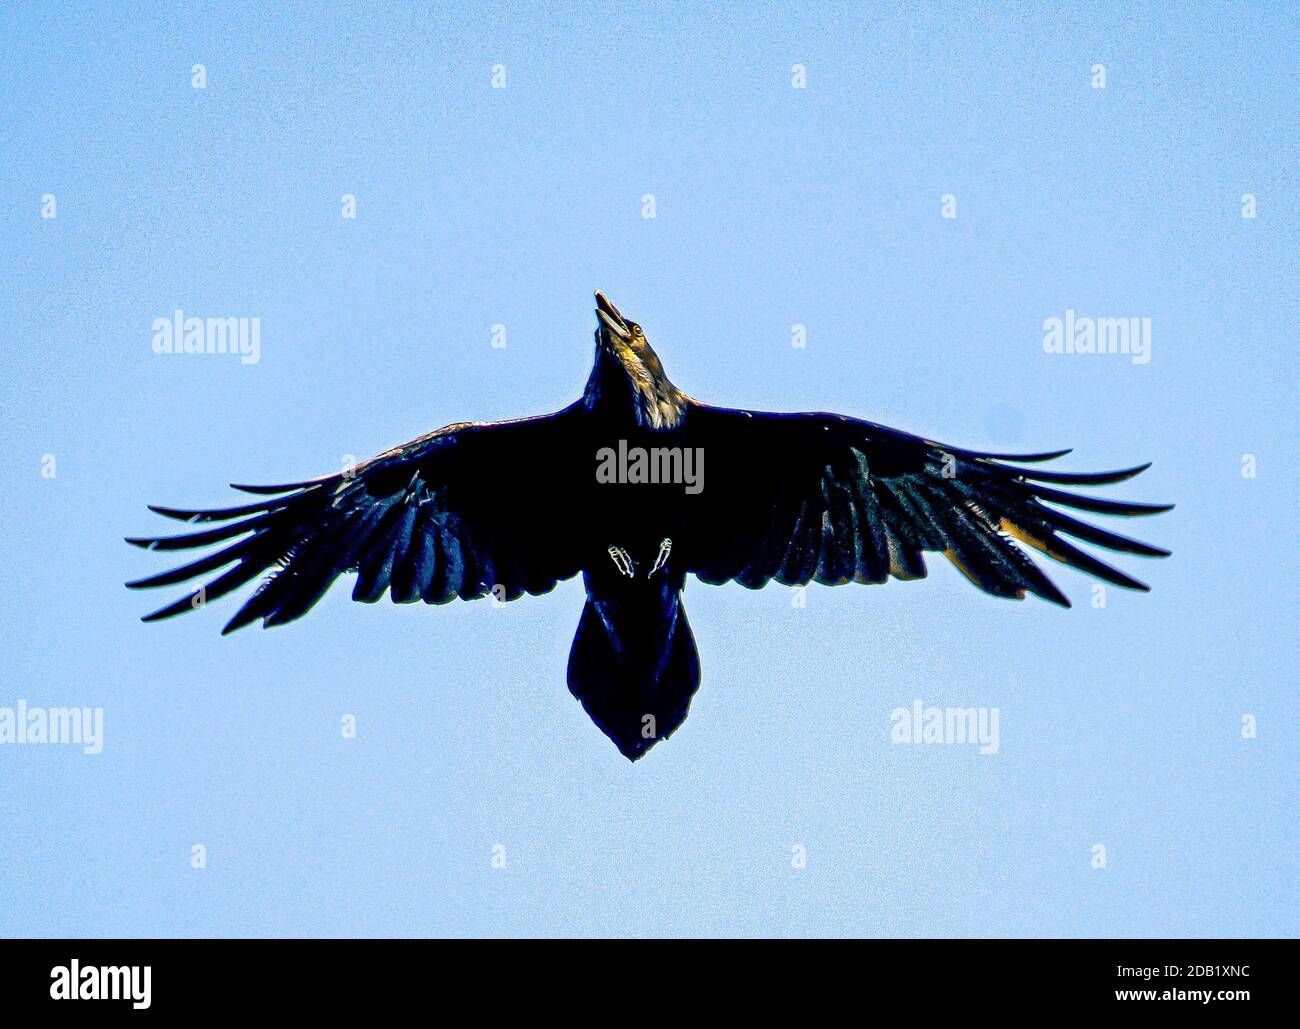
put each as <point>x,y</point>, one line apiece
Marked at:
<point>634,679</point>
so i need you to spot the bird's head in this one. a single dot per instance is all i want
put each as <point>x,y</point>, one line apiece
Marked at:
<point>621,337</point>
<point>622,349</point>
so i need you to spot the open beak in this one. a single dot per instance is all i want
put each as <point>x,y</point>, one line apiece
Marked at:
<point>607,314</point>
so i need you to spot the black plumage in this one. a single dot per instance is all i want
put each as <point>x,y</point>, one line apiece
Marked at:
<point>512,508</point>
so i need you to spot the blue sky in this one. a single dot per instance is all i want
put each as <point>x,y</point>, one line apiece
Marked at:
<point>1120,726</point>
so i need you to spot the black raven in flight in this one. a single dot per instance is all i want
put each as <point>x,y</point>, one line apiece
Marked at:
<point>614,487</point>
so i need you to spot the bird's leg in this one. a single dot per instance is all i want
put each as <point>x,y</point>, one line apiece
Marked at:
<point>622,561</point>
<point>665,548</point>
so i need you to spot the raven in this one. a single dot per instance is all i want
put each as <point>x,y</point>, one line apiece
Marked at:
<point>613,486</point>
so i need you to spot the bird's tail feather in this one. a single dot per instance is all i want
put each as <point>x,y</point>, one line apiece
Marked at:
<point>634,707</point>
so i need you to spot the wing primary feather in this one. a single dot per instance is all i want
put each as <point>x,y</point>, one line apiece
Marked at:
<point>286,487</point>
<point>1023,490</point>
<point>1009,557</point>
<point>1062,522</point>
<point>1038,580</point>
<point>1074,478</point>
<point>1099,506</point>
<point>209,563</point>
<point>220,514</point>
<point>311,570</point>
<point>218,587</point>
<point>1031,458</point>
<point>201,539</point>
<point>968,544</point>
<point>1068,554</point>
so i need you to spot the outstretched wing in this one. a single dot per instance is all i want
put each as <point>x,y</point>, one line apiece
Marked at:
<point>823,497</point>
<point>460,512</point>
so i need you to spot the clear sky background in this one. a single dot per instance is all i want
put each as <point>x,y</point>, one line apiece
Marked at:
<point>775,206</point>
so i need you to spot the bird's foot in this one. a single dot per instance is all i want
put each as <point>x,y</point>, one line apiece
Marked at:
<point>626,566</point>
<point>622,561</point>
<point>665,548</point>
